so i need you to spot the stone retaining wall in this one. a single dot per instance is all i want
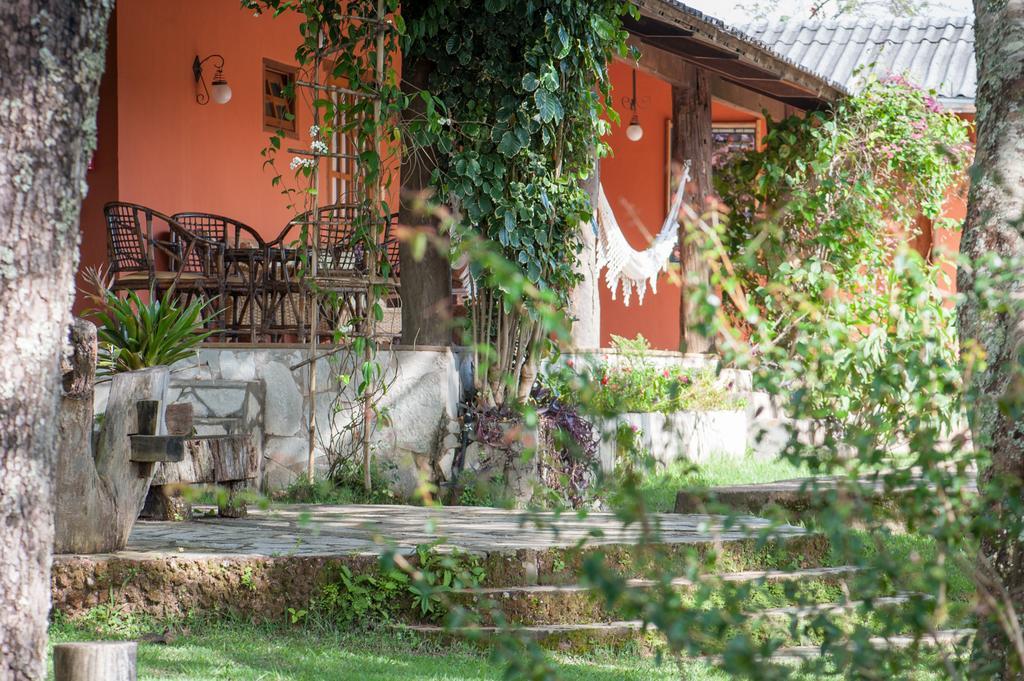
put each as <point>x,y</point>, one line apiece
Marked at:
<point>416,432</point>
<point>414,435</point>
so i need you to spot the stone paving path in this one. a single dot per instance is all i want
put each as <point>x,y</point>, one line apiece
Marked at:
<point>309,530</point>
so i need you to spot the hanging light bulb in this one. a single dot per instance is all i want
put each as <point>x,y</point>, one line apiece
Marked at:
<point>220,91</point>
<point>634,132</point>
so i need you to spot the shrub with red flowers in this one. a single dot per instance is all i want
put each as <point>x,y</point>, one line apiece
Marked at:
<point>634,383</point>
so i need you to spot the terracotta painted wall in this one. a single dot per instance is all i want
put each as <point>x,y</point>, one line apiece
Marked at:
<point>945,243</point>
<point>176,155</point>
<point>103,173</point>
<point>634,181</point>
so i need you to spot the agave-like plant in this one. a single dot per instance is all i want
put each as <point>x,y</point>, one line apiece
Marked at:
<point>133,334</point>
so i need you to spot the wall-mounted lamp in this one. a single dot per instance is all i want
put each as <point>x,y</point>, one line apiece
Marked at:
<point>219,90</point>
<point>634,132</point>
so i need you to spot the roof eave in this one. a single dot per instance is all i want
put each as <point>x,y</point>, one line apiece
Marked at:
<point>746,50</point>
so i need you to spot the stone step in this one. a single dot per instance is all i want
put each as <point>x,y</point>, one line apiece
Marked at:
<point>794,497</point>
<point>946,638</point>
<point>567,603</point>
<point>280,557</point>
<point>583,636</point>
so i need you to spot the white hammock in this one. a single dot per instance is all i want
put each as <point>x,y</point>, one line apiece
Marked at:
<point>631,268</point>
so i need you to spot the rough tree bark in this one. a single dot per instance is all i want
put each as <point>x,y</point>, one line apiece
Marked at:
<point>995,210</point>
<point>98,494</point>
<point>426,282</point>
<point>51,58</point>
<point>691,140</point>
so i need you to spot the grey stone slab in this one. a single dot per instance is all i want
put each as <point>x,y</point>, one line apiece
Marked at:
<point>283,403</point>
<point>368,529</point>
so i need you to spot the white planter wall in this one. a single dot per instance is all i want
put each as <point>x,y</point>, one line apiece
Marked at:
<point>696,437</point>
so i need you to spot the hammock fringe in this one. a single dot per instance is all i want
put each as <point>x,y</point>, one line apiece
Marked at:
<point>630,268</point>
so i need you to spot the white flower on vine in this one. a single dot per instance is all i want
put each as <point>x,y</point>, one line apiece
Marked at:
<point>319,147</point>
<point>298,162</point>
<point>314,131</point>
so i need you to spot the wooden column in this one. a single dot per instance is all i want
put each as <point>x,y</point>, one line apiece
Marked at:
<point>691,113</point>
<point>427,282</point>
<point>586,297</point>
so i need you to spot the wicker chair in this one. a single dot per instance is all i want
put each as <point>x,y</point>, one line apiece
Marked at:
<point>150,251</point>
<point>242,277</point>
<point>342,272</point>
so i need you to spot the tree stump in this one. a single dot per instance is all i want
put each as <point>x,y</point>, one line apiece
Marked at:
<point>95,661</point>
<point>100,491</point>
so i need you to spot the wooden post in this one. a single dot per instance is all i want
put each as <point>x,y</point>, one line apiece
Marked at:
<point>95,661</point>
<point>691,112</point>
<point>586,297</point>
<point>426,282</point>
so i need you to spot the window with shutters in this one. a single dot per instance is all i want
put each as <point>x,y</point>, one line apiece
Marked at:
<point>278,98</point>
<point>342,173</point>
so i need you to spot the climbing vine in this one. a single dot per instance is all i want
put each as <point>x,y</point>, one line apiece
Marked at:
<point>515,116</point>
<point>823,208</point>
<point>347,78</point>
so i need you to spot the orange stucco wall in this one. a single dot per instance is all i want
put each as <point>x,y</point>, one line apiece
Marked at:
<point>102,175</point>
<point>159,147</point>
<point>634,181</point>
<point>945,243</point>
<point>176,155</point>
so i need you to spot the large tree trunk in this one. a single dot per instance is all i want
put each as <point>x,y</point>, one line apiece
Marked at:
<point>691,140</point>
<point>427,281</point>
<point>995,209</point>
<point>51,58</point>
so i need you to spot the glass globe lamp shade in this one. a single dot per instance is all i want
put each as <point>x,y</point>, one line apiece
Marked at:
<point>634,132</point>
<point>220,91</point>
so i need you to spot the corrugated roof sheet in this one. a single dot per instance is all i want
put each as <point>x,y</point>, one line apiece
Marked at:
<point>935,53</point>
<point>769,46</point>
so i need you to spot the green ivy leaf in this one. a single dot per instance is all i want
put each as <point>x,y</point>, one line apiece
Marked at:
<point>548,106</point>
<point>509,145</point>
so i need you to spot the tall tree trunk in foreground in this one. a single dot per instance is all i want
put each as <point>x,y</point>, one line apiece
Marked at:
<point>691,140</point>
<point>51,58</point>
<point>995,210</point>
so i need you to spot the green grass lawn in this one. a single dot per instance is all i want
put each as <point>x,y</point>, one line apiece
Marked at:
<point>232,651</point>
<point>241,652</point>
<point>659,489</point>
